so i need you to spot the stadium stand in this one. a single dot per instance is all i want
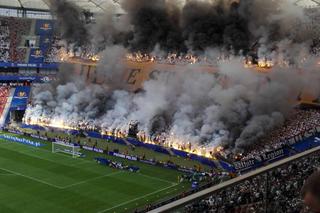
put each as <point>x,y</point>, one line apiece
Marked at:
<point>18,28</point>
<point>27,41</point>
<point>277,191</point>
<point>20,98</point>
<point>300,122</point>
<point>275,188</point>
<point>4,94</point>
<point>52,54</point>
<point>4,40</point>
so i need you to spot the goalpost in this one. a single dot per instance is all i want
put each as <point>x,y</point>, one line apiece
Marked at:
<point>70,149</point>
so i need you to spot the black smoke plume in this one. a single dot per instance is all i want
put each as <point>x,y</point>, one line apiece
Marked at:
<point>71,22</point>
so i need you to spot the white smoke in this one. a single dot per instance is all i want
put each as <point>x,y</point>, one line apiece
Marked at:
<point>236,107</point>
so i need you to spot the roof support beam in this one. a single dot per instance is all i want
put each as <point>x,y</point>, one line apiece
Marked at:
<point>317,2</point>
<point>91,4</point>
<point>97,5</point>
<point>21,5</point>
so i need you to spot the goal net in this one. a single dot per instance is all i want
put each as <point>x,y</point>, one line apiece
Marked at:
<point>67,148</point>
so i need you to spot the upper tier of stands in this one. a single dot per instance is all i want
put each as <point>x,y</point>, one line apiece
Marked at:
<point>26,41</point>
<point>11,33</point>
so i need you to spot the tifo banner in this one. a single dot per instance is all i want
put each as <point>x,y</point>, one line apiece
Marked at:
<point>260,160</point>
<point>306,143</point>
<point>36,56</point>
<point>245,165</point>
<point>20,98</point>
<point>20,140</point>
<point>44,27</point>
<point>137,73</point>
<point>273,155</point>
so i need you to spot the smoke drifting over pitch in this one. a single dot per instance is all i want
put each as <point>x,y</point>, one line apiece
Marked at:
<point>189,106</point>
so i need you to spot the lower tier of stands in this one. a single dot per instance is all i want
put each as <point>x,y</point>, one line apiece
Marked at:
<point>4,94</point>
<point>275,188</point>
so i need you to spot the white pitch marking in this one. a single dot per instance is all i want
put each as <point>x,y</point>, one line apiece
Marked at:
<point>91,179</point>
<point>138,198</point>
<point>155,178</point>
<point>32,178</point>
<point>55,186</point>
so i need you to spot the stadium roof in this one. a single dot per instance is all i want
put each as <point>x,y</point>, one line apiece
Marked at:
<point>308,3</point>
<point>98,6</point>
<point>95,6</point>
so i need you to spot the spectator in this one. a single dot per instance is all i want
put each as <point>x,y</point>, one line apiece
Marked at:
<point>311,192</point>
<point>277,191</point>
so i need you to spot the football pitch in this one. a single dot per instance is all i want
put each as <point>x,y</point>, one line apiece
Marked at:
<point>36,180</point>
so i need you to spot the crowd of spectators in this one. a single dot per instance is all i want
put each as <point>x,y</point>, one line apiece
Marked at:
<point>18,27</point>
<point>4,93</point>
<point>300,122</point>
<point>293,130</point>
<point>60,51</point>
<point>4,41</point>
<point>175,59</point>
<point>11,32</point>
<point>277,191</point>
<point>315,47</point>
<point>53,53</point>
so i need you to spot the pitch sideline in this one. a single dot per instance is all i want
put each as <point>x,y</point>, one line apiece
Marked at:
<point>138,198</point>
<point>56,186</point>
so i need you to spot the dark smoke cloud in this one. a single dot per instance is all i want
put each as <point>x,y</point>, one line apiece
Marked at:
<point>186,25</point>
<point>196,25</point>
<point>70,21</point>
<point>211,25</point>
<point>240,27</point>
<point>153,23</point>
<point>192,106</point>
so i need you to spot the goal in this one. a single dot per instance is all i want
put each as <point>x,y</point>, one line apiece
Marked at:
<point>67,148</point>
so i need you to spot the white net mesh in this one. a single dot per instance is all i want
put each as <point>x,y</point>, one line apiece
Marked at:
<point>66,148</point>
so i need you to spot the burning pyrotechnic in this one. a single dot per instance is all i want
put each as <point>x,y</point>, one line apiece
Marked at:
<point>186,109</point>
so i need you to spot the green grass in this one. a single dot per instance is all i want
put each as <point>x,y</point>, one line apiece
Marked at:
<point>36,180</point>
<point>138,151</point>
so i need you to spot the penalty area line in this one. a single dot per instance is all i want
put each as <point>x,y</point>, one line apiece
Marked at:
<point>32,178</point>
<point>138,198</point>
<point>155,178</point>
<point>91,179</point>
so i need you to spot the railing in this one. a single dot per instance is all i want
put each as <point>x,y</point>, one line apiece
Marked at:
<point>193,196</point>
